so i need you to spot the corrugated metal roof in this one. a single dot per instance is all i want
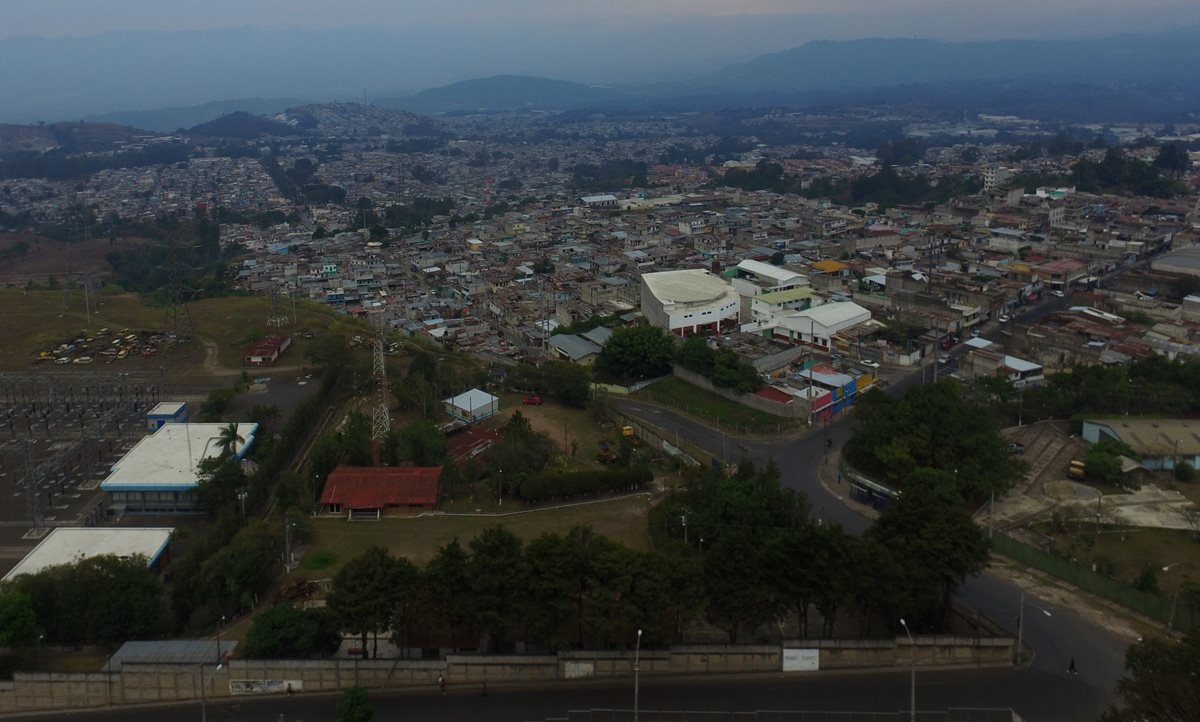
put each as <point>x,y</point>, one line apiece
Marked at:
<point>176,651</point>
<point>356,487</point>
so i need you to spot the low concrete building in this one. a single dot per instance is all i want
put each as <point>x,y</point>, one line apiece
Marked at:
<point>818,325</point>
<point>161,472</point>
<point>67,545</point>
<point>471,406</point>
<point>166,412</point>
<point>1159,443</point>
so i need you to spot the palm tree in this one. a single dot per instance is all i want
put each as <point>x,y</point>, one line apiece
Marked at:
<point>229,440</point>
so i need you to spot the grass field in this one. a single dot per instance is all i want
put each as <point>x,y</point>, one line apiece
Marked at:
<point>37,320</point>
<point>1132,550</point>
<point>336,540</point>
<point>728,415</point>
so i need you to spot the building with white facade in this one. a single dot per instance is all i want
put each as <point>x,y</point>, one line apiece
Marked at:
<point>818,325</point>
<point>161,472</point>
<point>689,301</point>
<point>752,278</point>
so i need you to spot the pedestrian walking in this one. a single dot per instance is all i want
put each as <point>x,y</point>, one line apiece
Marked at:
<point>483,690</point>
<point>442,683</point>
<point>1071,667</point>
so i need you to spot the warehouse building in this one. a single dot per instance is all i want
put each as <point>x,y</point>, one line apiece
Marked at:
<point>160,473</point>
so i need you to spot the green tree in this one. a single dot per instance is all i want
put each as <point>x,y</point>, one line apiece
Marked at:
<point>243,568</point>
<point>18,620</point>
<point>355,706</point>
<point>448,581</point>
<point>568,382</point>
<point>497,571</point>
<point>99,600</point>
<point>1160,681</point>
<point>934,426</point>
<point>356,440</point>
<point>737,584</point>
<point>1173,157</point>
<point>406,601</point>
<point>547,593</point>
<point>364,595</point>
<point>422,443</point>
<point>636,352</point>
<point>229,441</point>
<point>285,632</point>
<point>934,539</point>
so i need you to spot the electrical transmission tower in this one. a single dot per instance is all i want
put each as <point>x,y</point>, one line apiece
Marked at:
<point>179,318</point>
<point>381,418</point>
<point>278,317</point>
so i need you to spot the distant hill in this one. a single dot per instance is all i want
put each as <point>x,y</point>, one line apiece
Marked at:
<point>505,92</point>
<point>241,125</point>
<point>878,62</point>
<point>71,137</point>
<point>168,120</point>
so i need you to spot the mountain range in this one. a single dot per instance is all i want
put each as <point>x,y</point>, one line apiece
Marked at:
<point>1161,71</point>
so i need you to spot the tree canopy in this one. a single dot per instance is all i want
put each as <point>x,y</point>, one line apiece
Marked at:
<point>935,427</point>
<point>637,352</point>
<point>1161,682</point>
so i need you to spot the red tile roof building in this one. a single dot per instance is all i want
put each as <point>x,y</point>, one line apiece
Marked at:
<point>371,492</point>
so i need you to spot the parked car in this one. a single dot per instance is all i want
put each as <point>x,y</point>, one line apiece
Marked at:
<point>1058,294</point>
<point>870,364</point>
<point>1016,447</point>
<point>1005,318</point>
<point>532,401</point>
<point>944,358</point>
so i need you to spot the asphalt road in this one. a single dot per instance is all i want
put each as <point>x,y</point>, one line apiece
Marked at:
<point>1034,695</point>
<point>1056,639</point>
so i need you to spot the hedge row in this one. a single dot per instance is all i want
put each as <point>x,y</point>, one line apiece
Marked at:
<point>560,484</point>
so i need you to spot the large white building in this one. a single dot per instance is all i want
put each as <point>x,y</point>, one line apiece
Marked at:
<point>161,472</point>
<point>689,301</point>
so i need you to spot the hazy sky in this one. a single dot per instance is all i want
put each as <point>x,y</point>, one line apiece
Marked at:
<point>949,19</point>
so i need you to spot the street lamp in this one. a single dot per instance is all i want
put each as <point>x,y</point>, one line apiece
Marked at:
<point>1021,622</point>
<point>219,639</point>
<point>912,710</point>
<point>203,694</point>
<point>1174,599</point>
<point>636,658</point>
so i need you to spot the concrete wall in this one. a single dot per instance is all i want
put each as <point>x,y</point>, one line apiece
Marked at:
<point>147,683</point>
<point>932,651</point>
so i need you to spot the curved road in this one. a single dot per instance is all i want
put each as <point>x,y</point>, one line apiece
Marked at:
<point>1056,639</point>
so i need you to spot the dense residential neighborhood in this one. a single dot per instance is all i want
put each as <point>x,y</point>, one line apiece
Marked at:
<point>354,398</point>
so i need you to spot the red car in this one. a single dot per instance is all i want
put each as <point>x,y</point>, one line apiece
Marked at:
<point>532,401</point>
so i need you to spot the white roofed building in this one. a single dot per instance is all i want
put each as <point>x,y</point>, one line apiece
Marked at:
<point>818,325</point>
<point>68,545</point>
<point>161,472</point>
<point>689,301</point>
<point>755,277</point>
<point>471,406</point>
